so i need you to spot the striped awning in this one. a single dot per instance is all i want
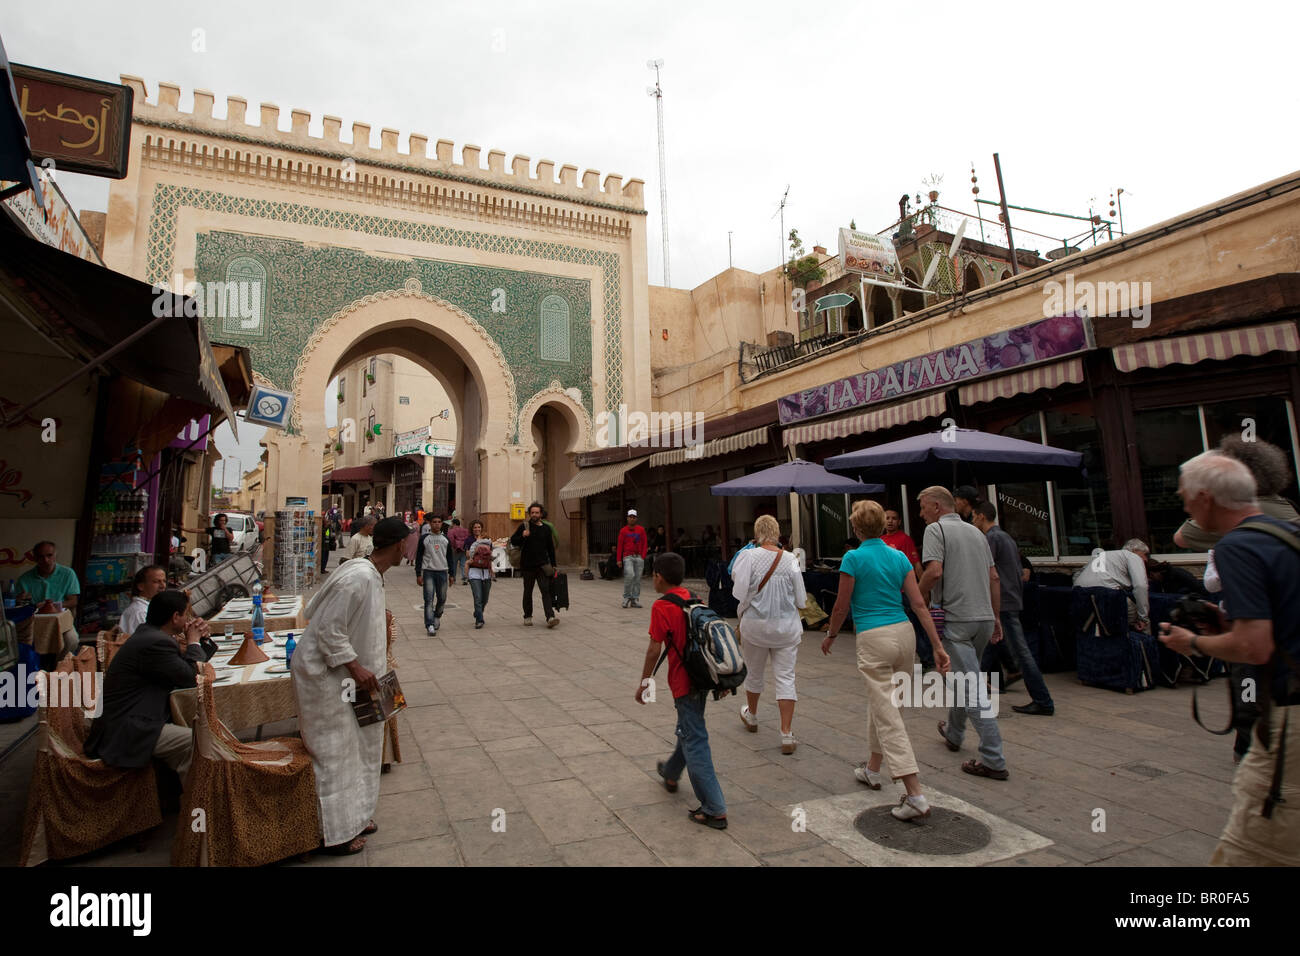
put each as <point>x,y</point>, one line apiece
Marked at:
<point>1023,382</point>
<point>718,446</point>
<point>1221,345</point>
<point>918,408</point>
<point>591,481</point>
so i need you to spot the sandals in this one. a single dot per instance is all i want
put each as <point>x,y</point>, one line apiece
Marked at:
<point>714,823</point>
<point>944,734</point>
<point>371,827</point>
<point>669,785</point>
<point>979,770</point>
<point>355,845</point>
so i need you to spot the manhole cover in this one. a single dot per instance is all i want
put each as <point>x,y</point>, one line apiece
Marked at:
<point>1145,770</point>
<point>944,833</point>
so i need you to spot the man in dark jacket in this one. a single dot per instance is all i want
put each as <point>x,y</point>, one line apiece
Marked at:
<point>137,689</point>
<point>536,542</point>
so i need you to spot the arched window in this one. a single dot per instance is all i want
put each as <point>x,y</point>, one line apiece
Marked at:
<point>555,329</point>
<point>912,299</point>
<point>880,307</point>
<point>971,279</point>
<point>244,310</point>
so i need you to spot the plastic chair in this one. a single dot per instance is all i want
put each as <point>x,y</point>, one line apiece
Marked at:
<point>258,800</point>
<point>76,805</point>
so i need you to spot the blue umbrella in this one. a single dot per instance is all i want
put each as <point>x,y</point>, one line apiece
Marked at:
<point>935,457</point>
<point>798,476</point>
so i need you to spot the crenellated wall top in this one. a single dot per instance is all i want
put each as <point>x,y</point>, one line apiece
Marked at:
<point>520,174</point>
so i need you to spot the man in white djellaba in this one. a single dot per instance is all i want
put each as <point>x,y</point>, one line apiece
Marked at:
<point>342,651</point>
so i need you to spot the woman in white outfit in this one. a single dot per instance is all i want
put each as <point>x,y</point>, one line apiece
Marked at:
<point>769,587</point>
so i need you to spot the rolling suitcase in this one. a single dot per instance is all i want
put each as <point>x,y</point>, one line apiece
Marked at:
<point>560,591</point>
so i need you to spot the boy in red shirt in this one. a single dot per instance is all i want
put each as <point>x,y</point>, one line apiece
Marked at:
<point>668,623</point>
<point>900,540</point>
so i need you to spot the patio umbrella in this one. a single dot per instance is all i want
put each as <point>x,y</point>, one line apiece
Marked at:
<point>960,454</point>
<point>798,476</point>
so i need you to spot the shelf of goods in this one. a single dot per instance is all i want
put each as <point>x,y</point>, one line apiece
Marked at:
<point>295,551</point>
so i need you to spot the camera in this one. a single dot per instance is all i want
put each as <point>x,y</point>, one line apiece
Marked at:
<point>1195,615</point>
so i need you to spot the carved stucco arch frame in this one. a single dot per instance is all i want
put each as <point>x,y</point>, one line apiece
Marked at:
<point>578,419</point>
<point>471,342</point>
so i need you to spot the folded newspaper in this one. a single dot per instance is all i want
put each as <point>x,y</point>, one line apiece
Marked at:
<point>391,700</point>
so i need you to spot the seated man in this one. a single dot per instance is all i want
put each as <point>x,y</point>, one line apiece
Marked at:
<point>1124,570</point>
<point>609,565</point>
<point>134,725</point>
<point>49,581</point>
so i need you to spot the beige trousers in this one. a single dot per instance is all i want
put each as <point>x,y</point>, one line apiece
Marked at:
<point>1250,839</point>
<point>175,748</point>
<point>883,651</point>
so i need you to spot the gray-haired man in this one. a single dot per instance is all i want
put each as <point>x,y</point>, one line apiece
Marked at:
<point>1124,570</point>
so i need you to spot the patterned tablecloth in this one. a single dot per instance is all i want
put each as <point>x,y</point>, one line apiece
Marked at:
<point>257,694</point>
<point>45,631</point>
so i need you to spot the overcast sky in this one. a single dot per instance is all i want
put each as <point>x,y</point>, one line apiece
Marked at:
<point>851,105</point>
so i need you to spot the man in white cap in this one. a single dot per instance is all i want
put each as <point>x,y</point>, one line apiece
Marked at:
<point>632,544</point>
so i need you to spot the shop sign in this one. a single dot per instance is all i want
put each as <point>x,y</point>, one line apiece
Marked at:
<point>268,406</point>
<point>866,253</point>
<point>76,124</point>
<point>1011,350</point>
<point>53,223</point>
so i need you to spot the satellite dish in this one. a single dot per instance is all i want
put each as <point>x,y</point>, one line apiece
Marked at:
<point>952,251</point>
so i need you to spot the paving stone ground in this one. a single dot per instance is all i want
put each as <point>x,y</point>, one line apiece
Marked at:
<point>537,730</point>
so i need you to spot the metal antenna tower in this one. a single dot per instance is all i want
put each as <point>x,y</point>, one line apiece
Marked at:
<point>657,92</point>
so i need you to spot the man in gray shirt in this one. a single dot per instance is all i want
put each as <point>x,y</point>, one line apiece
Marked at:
<point>960,577</point>
<point>1126,571</point>
<point>1006,558</point>
<point>431,571</point>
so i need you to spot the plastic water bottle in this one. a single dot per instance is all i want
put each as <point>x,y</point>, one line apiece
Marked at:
<point>289,646</point>
<point>259,619</point>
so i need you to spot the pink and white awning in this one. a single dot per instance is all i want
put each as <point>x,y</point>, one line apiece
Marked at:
<point>901,414</point>
<point>1023,382</point>
<point>1220,345</point>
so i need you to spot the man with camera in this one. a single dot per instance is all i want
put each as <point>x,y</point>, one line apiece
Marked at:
<point>1259,563</point>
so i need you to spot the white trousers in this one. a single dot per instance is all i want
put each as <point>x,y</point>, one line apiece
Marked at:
<point>782,658</point>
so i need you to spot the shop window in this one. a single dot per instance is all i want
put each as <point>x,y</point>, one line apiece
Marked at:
<point>555,329</point>
<point>1081,506</point>
<point>1166,437</point>
<point>245,293</point>
<point>1266,418</point>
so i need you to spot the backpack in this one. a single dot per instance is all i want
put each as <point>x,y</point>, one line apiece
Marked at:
<point>712,657</point>
<point>482,557</point>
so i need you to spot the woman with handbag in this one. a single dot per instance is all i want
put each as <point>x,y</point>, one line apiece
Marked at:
<point>769,587</point>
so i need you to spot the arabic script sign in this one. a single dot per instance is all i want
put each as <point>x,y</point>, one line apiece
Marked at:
<point>1001,352</point>
<point>81,125</point>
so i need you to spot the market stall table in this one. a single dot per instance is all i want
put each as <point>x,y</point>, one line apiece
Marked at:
<point>45,631</point>
<point>251,696</point>
<point>281,615</point>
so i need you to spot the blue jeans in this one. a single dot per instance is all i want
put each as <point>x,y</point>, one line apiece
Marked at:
<point>633,564</point>
<point>435,584</point>
<point>458,564</point>
<point>480,588</point>
<point>965,641</point>
<point>1013,636</point>
<point>218,558</point>
<point>693,753</point>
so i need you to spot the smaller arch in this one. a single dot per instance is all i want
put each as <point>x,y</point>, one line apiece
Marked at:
<point>972,278</point>
<point>555,330</point>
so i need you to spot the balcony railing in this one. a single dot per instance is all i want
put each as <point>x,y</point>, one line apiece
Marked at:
<point>764,360</point>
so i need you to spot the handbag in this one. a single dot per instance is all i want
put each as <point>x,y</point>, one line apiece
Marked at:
<point>767,577</point>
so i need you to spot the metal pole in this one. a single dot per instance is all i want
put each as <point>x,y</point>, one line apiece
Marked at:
<point>658,94</point>
<point>729,263</point>
<point>1006,216</point>
<point>1119,204</point>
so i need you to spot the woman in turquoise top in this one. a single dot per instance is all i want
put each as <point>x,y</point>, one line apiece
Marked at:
<point>874,578</point>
